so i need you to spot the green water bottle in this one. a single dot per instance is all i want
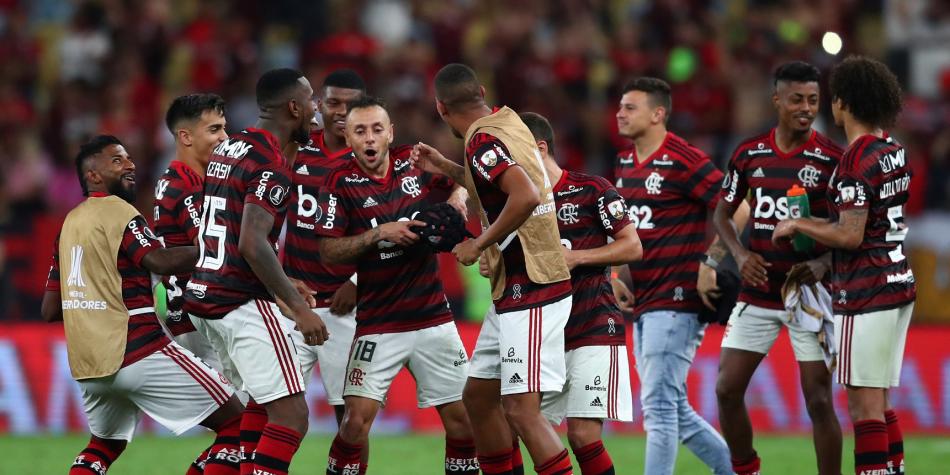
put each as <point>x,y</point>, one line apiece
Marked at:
<point>798,208</point>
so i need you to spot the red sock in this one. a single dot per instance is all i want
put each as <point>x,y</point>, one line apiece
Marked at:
<point>252,423</point>
<point>276,448</point>
<point>96,457</point>
<point>460,457</point>
<point>223,456</point>
<point>895,443</point>
<point>748,467</point>
<point>496,464</point>
<point>198,466</point>
<point>594,459</point>
<point>560,464</point>
<point>870,447</point>
<point>344,458</point>
<point>517,462</point>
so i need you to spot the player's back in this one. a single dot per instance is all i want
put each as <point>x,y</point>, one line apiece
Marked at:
<point>247,168</point>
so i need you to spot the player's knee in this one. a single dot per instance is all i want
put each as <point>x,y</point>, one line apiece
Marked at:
<point>519,413</point>
<point>354,427</point>
<point>819,405</point>
<point>727,392</point>
<point>477,401</point>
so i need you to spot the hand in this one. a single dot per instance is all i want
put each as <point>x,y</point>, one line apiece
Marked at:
<point>312,327</point>
<point>344,299</point>
<point>569,258</point>
<point>706,286</point>
<point>785,229</point>
<point>808,272</point>
<point>398,232</point>
<point>623,295</point>
<point>467,252</point>
<point>459,200</point>
<point>426,158</point>
<point>483,268</point>
<point>304,291</point>
<point>752,268</point>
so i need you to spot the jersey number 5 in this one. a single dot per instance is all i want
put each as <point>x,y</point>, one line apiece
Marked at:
<point>210,229</point>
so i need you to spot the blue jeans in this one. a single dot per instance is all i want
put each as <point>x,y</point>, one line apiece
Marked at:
<point>665,344</point>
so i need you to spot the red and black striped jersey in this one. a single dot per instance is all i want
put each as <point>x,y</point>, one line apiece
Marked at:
<point>488,158</point>
<point>589,210</point>
<point>145,335</point>
<point>313,166</point>
<point>668,196</point>
<point>758,167</point>
<point>247,168</point>
<point>399,288</point>
<point>873,175</point>
<point>177,219</point>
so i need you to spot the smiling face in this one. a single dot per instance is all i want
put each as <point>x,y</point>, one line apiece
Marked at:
<point>636,114</point>
<point>333,108</point>
<point>205,134</point>
<point>796,104</point>
<point>369,132</point>
<point>112,170</point>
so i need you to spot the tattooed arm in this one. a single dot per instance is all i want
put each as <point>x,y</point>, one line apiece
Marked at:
<point>348,249</point>
<point>846,233</point>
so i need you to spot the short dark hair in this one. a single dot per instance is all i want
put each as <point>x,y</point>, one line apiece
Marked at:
<point>345,79</point>
<point>796,71</point>
<point>656,89</point>
<point>868,90</point>
<point>190,107</point>
<point>540,128</point>
<point>274,86</point>
<point>365,101</point>
<point>457,87</point>
<point>88,149</point>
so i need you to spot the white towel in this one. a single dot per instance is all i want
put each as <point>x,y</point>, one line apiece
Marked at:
<point>809,309</point>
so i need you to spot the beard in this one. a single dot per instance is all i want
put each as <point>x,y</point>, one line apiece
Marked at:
<point>123,189</point>
<point>301,134</point>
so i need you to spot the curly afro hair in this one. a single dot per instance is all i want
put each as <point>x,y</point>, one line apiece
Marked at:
<point>868,90</point>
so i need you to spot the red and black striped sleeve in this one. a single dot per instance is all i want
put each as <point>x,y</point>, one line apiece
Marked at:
<point>335,219</point>
<point>734,184</point>
<point>268,182</point>
<point>52,281</point>
<point>188,205</point>
<point>138,240</point>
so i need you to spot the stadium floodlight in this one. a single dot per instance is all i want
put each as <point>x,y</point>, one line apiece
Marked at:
<point>831,42</point>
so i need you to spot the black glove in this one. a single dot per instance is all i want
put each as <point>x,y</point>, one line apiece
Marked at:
<point>445,227</point>
<point>728,284</point>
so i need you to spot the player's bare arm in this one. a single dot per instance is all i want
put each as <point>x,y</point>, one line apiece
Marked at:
<point>846,233</point>
<point>253,245</point>
<point>431,160</point>
<point>523,198</point>
<point>52,307</point>
<point>625,248</point>
<point>726,218</point>
<point>348,249</point>
<point>458,199</point>
<point>171,261</point>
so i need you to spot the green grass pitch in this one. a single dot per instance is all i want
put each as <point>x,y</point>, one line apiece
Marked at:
<point>421,455</point>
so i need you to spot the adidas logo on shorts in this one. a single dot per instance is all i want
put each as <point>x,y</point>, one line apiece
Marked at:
<point>515,379</point>
<point>596,402</point>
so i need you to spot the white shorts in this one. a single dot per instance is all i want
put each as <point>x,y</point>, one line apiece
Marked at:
<point>524,349</point>
<point>871,347</point>
<point>330,357</point>
<point>598,386</point>
<point>434,356</point>
<point>171,385</point>
<point>256,350</point>
<point>755,329</point>
<point>199,346</point>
